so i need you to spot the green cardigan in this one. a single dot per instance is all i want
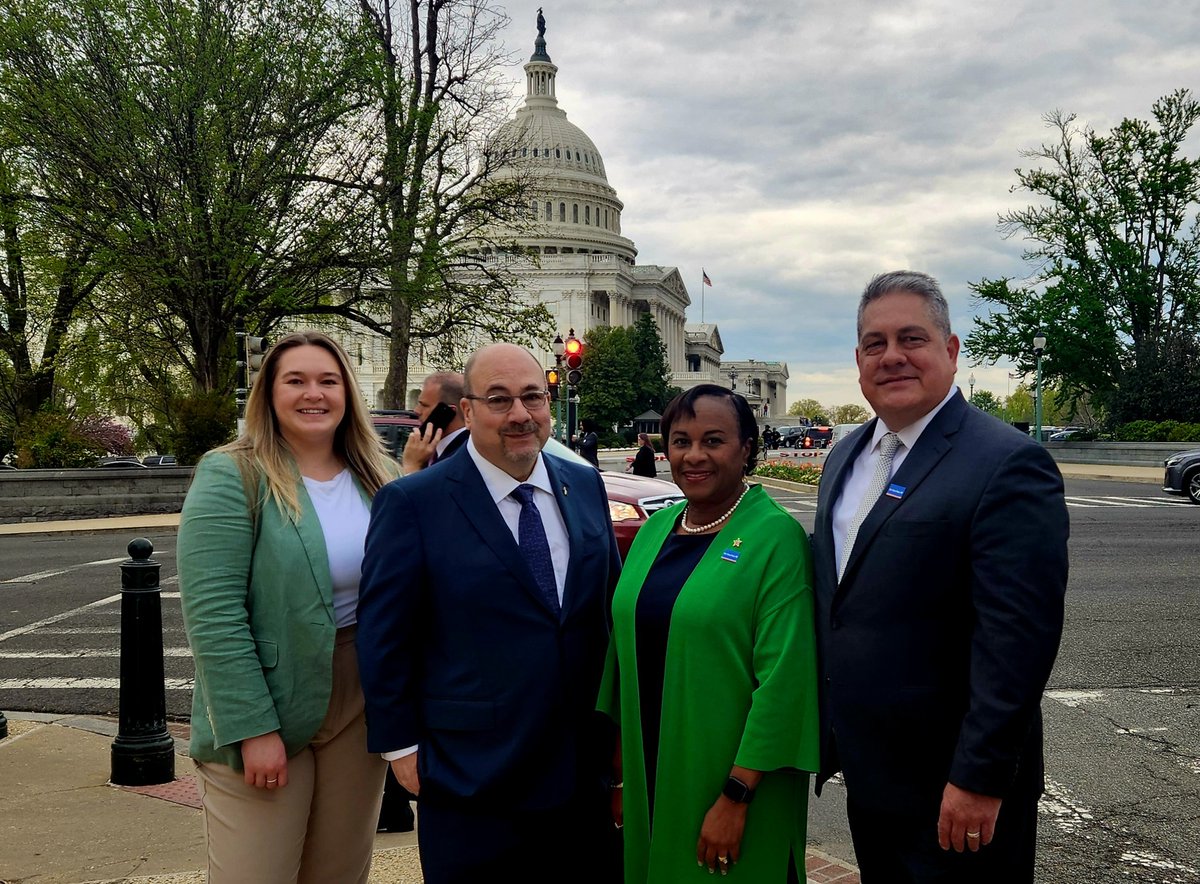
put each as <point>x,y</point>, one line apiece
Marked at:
<point>258,614</point>
<point>740,686</point>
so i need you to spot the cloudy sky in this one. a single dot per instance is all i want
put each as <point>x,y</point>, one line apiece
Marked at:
<point>794,149</point>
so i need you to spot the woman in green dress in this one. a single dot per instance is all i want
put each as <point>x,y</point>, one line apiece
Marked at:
<point>711,674</point>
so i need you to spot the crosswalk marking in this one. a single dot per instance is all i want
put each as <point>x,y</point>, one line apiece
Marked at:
<point>42,575</point>
<point>82,653</point>
<point>1132,502</point>
<point>77,683</point>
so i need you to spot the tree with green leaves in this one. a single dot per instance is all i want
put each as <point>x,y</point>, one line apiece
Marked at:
<point>808,408</point>
<point>46,274</point>
<point>607,393</point>
<point>193,124</point>
<point>986,400</point>
<point>652,371</point>
<point>850,413</point>
<point>1115,250</point>
<point>447,201</point>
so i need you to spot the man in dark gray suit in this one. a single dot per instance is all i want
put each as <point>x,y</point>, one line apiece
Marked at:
<point>940,556</point>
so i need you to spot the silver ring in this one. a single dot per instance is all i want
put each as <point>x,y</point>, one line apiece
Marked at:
<point>269,781</point>
<point>972,834</point>
<point>723,860</point>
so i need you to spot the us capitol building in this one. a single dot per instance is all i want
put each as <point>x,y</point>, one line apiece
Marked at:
<point>587,274</point>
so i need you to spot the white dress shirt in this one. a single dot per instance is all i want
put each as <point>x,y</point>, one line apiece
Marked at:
<point>445,441</point>
<point>863,468</point>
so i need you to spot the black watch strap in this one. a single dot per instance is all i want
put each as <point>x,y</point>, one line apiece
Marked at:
<point>737,791</point>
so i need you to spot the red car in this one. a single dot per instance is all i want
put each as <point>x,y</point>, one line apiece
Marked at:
<point>631,499</point>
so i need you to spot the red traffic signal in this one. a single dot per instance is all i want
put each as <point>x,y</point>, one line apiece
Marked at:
<point>574,352</point>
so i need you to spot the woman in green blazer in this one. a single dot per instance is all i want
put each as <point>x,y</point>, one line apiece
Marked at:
<point>711,673</point>
<point>270,551</point>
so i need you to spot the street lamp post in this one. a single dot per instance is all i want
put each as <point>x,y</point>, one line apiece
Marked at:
<point>559,349</point>
<point>971,384</point>
<point>733,380</point>
<point>1039,344</point>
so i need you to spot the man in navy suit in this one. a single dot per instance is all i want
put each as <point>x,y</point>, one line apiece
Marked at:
<point>426,446</point>
<point>940,556</point>
<point>483,626</point>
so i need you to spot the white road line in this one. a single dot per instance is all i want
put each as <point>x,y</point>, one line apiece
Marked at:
<point>82,683</point>
<point>80,630</point>
<point>1082,506</point>
<point>42,575</point>
<point>57,618</point>
<point>1155,501</point>
<point>1061,806</point>
<point>82,653</point>
<point>1108,502</point>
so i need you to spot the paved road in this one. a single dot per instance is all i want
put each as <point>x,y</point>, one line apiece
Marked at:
<point>1122,711</point>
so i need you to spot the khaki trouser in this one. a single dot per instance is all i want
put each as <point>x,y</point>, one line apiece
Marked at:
<point>320,828</point>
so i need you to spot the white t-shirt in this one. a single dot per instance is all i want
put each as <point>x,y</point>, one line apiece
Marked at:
<point>344,517</point>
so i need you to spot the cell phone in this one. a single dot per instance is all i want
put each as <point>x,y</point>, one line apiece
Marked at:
<point>440,417</point>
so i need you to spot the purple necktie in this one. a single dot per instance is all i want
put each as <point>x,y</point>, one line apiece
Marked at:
<point>531,536</point>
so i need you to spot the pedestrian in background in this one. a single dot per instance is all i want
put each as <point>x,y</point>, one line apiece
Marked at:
<point>589,443</point>
<point>711,673</point>
<point>270,552</point>
<point>940,554</point>
<point>643,461</point>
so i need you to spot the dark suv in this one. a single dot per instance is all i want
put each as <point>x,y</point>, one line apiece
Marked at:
<point>393,428</point>
<point>814,437</point>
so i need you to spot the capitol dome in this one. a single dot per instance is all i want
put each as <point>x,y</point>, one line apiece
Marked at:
<point>576,209</point>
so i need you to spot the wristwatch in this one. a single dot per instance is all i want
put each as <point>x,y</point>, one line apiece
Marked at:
<point>737,791</point>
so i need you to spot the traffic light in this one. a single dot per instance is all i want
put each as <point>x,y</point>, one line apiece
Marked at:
<point>552,382</point>
<point>574,359</point>
<point>256,349</point>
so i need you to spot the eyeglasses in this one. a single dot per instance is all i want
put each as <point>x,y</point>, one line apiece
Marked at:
<point>533,400</point>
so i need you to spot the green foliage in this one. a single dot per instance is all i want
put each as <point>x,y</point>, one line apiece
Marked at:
<point>608,391</point>
<point>202,421</point>
<point>54,440</point>
<point>1157,431</point>
<point>1114,246</point>
<point>986,400</point>
<point>1164,385</point>
<point>652,371</point>
<point>851,413</point>
<point>807,474</point>
<point>195,127</point>
<point>809,408</point>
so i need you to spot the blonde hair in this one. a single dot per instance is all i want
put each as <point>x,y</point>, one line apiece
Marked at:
<point>356,441</point>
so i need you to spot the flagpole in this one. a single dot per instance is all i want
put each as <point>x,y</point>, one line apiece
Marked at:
<point>701,294</point>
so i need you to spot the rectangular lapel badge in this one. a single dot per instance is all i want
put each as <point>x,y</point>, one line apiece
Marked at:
<point>730,555</point>
<point>896,491</point>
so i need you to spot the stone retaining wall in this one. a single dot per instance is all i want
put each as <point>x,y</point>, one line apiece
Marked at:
<point>1133,454</point>
<point>41,495</point>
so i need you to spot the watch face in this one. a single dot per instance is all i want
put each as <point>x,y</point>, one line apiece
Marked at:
<point>737,791</point>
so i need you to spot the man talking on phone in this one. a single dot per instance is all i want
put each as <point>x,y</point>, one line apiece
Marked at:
<point>443,430</point>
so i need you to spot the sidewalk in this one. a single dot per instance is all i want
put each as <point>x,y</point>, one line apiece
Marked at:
<point>61,822</point>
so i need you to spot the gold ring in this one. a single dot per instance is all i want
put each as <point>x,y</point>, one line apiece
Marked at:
<point>723,860</point>
<point>972,834</point>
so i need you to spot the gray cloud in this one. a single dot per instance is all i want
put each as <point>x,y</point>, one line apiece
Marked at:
<point>796,149</point>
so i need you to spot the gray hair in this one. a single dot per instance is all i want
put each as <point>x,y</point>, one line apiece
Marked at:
<point>449,384</point>
<point>914,283</point>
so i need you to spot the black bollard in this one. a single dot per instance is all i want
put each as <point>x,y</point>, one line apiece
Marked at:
<point>3,726</point>
<point>143,754</point>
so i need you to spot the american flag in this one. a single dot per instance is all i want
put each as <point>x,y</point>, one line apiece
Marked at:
<point>707,281</point>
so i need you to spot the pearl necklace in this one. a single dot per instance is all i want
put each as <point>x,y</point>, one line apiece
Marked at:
<point>701,529</point>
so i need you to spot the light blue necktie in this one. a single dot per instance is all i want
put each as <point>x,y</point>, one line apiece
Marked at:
<point>531,537</point>
<point>883,472</point>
